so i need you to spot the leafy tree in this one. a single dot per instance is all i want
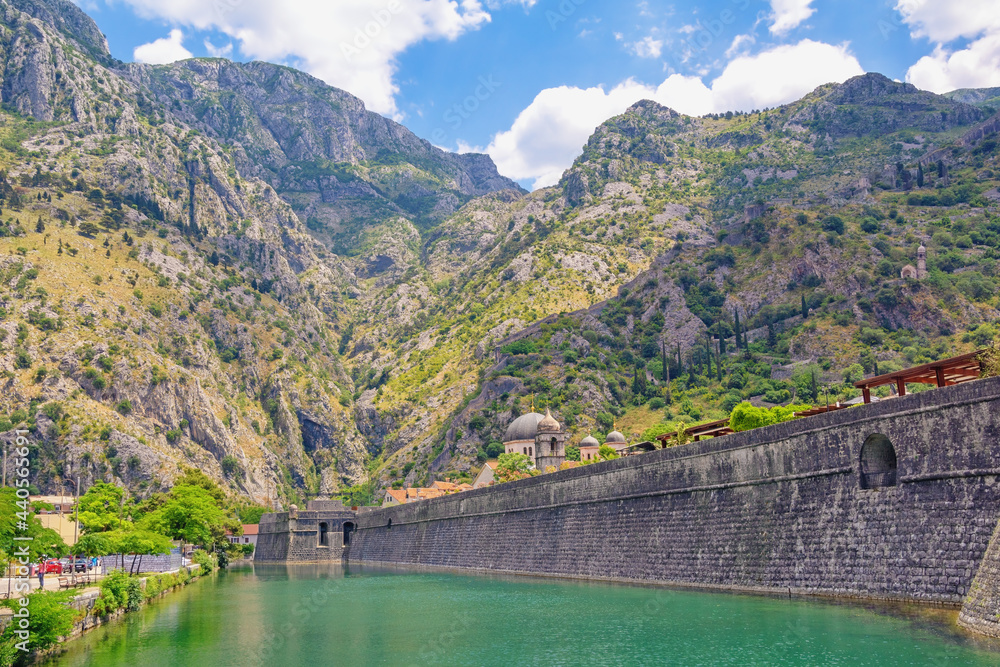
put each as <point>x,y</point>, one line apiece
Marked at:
<point>192,514</point>
<point>853,373</point>
<point>572,453</point>
<point>655,430</point>
<point>102,508</point>
<point>511,467</point>
<point>746,417</point>
<point>139,543</point>
<point>607,453</point>
<point>494,449</point>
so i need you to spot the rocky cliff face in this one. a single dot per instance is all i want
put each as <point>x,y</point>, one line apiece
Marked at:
<point>237,267</point>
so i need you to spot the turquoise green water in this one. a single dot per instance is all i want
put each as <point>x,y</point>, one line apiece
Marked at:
<point>319,615</point>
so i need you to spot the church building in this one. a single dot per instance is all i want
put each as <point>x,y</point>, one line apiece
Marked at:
<point>540,437</point>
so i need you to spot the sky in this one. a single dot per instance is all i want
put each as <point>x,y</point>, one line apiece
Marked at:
<point>528,81</point>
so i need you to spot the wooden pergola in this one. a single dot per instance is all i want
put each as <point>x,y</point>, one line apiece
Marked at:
<point>943,373</point>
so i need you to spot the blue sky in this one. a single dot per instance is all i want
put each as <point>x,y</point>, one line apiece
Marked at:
<point>529,80</point>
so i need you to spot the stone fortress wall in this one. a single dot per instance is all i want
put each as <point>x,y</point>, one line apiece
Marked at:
<point>779,509</point>
<point>785,509</point>
<point>315,534</point>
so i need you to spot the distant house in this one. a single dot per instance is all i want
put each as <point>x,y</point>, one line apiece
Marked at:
<point>412,494</point>
<point>394,497</point>
<point>447,487</point>
<point>485,476</point>
<point>249,535</point>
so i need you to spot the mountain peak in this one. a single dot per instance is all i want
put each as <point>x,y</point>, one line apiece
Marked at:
<point>68,19</point>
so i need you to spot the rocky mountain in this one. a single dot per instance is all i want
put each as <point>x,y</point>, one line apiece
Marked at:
<point>237,266</point>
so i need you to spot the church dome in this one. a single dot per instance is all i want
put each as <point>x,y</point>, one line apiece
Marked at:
<point>548,423</point>
<point>589,441</point>
<point>614,436</point>
<point>524,427</point>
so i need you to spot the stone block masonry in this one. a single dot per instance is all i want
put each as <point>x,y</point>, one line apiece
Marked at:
<point>316,534</point>
<point>779,509</point>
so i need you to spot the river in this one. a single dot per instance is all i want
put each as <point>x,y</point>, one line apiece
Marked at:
<point>326,615</point>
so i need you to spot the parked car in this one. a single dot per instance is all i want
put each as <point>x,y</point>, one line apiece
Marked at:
<point>81,565</point>
<point>52,566</point>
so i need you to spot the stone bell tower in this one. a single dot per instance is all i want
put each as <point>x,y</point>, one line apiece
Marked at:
<point>550,443</point>
<point>921,262</point>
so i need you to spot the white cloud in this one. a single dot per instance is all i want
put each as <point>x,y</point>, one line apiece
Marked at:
<point>976,65</point>
<point>548,135</point>
<point>647,47</point>
<point>351,44</point>
<point>943,22</point>
<point>740,44</point>
<point>789,14</point>
<point>219,51</point>
<point>164,50</point>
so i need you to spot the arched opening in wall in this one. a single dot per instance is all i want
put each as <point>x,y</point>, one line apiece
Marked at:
<point>324,539</point>
<point>524,450</point>
<point>553,445</point>
<point>531,451</point>
<point>348,529</point>
<point>389,525</point>
<point>878,462</point>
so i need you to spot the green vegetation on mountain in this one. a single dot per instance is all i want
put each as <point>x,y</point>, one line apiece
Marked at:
<point>237,267</point>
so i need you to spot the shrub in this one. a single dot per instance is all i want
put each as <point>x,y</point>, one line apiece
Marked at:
<point>231,466</point>
<point>51,618</point>
<point>124,407</point>
<point>207,561</point>
<point>22,359</point>
<point>746,417</point>
<point>833,223</point>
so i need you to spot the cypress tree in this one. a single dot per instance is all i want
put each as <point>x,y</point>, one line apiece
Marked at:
<point>805,308</point>
<point>708,354</point>
<point>813,389</point>
<point>718,365</point>
<point>736,317</point>
<point>920,175</point>
<point>940,167</point>
<point>772,338</point>
<point>665,373</point>
<point>680,362</point>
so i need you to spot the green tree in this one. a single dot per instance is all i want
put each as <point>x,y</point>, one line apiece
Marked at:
<point>192,514</point>
<point>512,467</point>
<point>572,453</point>
<point>139,543</point>
<point>607,453</point>
<point>102,508</point>
<point>805,308</point>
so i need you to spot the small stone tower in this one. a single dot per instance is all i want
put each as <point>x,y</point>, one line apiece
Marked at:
<point>921,262</point>
<point>550,443</point>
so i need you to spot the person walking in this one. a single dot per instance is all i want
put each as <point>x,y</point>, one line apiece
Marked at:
<point>41,576</point>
